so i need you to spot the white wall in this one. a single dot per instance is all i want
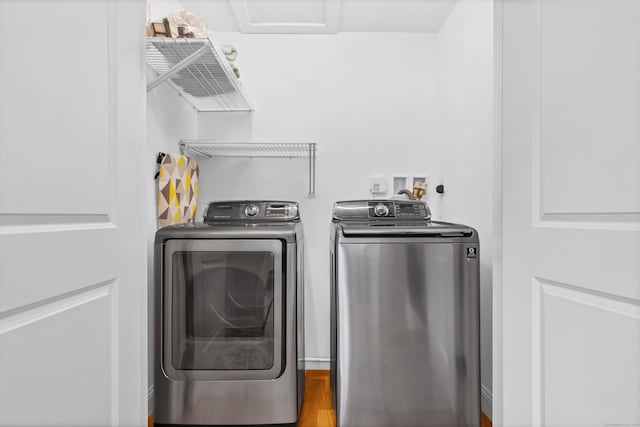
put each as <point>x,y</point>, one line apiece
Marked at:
<point>169,119</point>
<point>368,100</point>
<point>465,104</point>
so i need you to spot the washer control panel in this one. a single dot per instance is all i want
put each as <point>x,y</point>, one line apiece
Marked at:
<point>382,209</point>
<point>412,211</point>
<point>249,210</point>
<point>375,210</point>
<point>252,210</point>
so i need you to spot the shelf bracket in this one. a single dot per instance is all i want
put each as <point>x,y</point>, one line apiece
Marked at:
<point>312,170</point>
<point>177,68</point>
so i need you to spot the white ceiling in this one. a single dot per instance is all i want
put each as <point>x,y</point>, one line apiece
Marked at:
<point>320,16</point>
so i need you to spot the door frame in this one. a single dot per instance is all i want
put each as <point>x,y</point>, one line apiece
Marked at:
<point>497,384</point>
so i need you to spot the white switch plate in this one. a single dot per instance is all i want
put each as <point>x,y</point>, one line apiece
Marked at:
<point>378,184</point>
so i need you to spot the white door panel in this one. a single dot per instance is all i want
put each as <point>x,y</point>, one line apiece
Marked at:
<point>590,258</point>
<point>51,370</point>
<point>54,81</point>
<point>570,301</point>
<point>72,244</point>
<point>589,67</point>
<point>38,265</point>
<point>585,332</point>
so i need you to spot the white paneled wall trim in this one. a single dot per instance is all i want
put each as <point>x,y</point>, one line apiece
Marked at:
<point>324,19</point>
<point>38,311</point>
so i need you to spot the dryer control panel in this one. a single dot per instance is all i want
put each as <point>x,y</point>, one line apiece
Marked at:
<point>251,210</point>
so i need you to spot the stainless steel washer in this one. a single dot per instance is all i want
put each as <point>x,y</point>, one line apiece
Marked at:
<point>404,317</point>
<point>229,317</point>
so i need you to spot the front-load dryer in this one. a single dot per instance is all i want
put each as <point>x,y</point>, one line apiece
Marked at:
<point>229,317</point>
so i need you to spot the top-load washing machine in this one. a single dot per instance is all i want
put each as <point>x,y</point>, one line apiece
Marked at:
<point>404,317</point>
<point>229,317</point>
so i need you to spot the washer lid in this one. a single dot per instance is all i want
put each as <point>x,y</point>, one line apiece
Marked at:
<point>382,210</point>
<point>404,229</point>
<point>250,211</point>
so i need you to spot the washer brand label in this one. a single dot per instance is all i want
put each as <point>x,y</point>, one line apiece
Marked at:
<point>472,253</point>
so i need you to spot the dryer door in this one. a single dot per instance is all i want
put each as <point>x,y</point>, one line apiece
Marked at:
<point>223,305</point>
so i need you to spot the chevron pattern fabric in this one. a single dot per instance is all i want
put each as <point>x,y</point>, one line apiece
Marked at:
<point>177,190</point>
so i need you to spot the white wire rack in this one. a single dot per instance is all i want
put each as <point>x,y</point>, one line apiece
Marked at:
<point>211,149</point>
<point>198,70</point>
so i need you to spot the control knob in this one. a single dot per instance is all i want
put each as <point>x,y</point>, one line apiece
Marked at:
<point>251,210</point>
<point>381,210</point>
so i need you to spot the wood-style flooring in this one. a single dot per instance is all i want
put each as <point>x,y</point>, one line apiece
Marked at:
<point>317,407</point>
<point>486,422</point>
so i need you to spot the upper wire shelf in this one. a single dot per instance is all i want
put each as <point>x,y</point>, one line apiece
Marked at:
<point>211,149</point>
<point>198,70</point>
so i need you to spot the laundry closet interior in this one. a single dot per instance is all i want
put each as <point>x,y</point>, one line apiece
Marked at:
<point>335,100</point>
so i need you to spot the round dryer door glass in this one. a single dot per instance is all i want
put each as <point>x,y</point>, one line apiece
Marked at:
<point>223,310</point>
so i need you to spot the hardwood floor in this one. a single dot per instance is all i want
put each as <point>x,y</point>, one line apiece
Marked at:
<point>317,407</point>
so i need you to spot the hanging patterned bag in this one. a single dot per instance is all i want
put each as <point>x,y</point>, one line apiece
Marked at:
<point>177,189</point>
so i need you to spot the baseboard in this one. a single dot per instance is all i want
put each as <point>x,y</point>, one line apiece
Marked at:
<point>317,363</point>
<point>150,399</point>
<point>486,401</point>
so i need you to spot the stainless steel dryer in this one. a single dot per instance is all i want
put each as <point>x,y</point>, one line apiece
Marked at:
<point>404,317</point>
<point>229,317</point>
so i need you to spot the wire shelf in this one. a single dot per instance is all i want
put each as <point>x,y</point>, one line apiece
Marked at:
<point>198,70</point>
<point>212,149</point>
<point>239,149</point>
